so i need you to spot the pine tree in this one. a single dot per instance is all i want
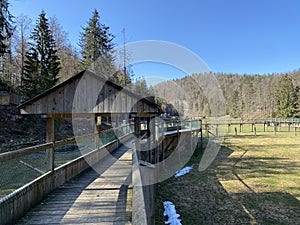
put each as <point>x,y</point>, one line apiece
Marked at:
<point>96,47</point>
<point>69,57</point>
<point>6,28</point>
<point>140,87</point>
<point>234,105</point>
<point>42,63</point>
<point>287,98</point>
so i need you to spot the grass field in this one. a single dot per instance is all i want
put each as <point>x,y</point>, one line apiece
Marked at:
<point>253,180</point>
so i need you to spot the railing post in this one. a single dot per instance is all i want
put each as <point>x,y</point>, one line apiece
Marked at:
<point>162,142</point>
<point>97,131</point>
<point>191,139</point>
<point>148,140</point>
<point>50,139</point>
<point>137,133</point>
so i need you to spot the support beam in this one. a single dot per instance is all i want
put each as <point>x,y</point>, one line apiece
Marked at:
<point>50,139</point>
<point>97,131</point>
<point>137,135</point>
<point>148,139</point>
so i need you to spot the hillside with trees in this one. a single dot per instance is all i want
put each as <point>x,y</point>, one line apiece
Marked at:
<point>246,96</point>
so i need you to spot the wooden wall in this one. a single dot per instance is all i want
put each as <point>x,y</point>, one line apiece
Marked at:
<point>87,94</point>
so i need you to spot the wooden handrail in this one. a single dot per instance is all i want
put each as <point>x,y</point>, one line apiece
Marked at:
<point>24,151</point>
<point>37,148</point>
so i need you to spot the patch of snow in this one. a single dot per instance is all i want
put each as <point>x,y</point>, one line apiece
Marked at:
<point>183,171</point>
<point>170,211</point>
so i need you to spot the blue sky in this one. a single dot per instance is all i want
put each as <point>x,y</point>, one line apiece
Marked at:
<point>239,36</point>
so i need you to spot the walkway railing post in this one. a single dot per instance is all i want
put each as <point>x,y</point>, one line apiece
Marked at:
<point>137,133</point>
<point>162,141</point>
<point>148,139</point>
<point>191,139</point>
<point>50,139</point>
<point>97,131</point>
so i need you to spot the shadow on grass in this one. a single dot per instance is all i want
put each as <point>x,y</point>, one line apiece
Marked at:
<point>200,197</point>
<point>271,207</point>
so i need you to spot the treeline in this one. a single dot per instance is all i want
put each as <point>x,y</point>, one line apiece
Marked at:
<point>261,96</point>
<point>245,96</point>
<point>36,56</point>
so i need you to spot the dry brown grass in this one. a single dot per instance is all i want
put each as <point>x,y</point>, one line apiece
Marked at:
<point>254,180</point>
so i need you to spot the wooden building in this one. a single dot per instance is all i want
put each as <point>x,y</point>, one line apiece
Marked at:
<point>87,93</point>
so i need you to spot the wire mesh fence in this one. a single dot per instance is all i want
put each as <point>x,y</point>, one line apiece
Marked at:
<point>20,170</point>
<point>17,172</point>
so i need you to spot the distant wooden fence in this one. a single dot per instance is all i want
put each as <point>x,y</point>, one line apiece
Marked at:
<point>292,124</point>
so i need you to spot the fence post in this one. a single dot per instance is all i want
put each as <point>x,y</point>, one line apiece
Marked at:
<point>191,138</point>
<point>162,142</point>
<point>50,139</point>
<point>137,132</point>
<point>97,131</point>
<point>148,140</point>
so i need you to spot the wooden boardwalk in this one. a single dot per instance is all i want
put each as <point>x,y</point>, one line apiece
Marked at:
<point>100,196</point>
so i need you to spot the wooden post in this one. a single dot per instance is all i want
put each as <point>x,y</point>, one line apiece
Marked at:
<point>162,141</point>
<point>241,125</point>
<point>96,132</point>
<point>156,154</point>
<point>137,131</point>
<point>201,138</point>
<point>148,139</point>
<point>275,129</point>
<point>191,139</point>
<point>206,128</point>
<point>235,130</point>
<point>217,130</point>
<point>228,128</point>
<point>254,131</point>
<point>264,126</point>
<point>50,139</point>
<point>252,125</point>
<point>153,142</point>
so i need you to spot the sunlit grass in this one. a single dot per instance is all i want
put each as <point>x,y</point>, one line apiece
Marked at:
<point>255,179</point>
<point>264,162</point>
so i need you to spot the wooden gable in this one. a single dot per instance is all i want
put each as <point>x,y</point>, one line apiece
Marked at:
<point>88,93</point>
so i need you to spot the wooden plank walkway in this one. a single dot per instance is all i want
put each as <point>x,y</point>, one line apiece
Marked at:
<point>100,196</point>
